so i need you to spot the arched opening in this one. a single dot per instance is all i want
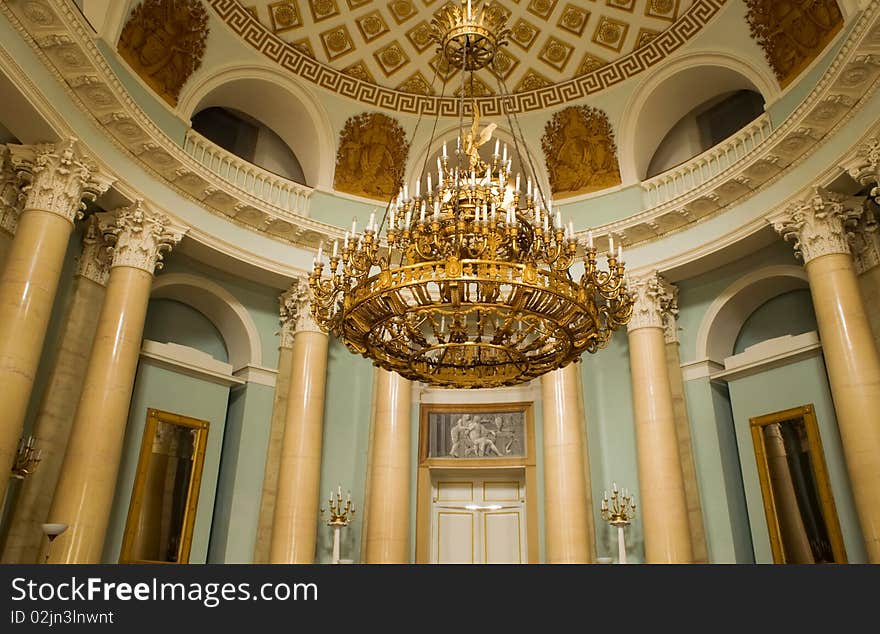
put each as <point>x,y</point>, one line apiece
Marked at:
<point>249,139</point>
<point>704,127</point>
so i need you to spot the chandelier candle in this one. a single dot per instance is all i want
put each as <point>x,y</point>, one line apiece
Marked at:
<point>478,293</point>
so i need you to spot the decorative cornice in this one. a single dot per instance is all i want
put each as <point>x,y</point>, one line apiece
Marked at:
<point>820,224</point>
<point>655,303</point>
<point>10,193</point>
<point>94,261</point>
<point>296,313</point>
<point>140,237</point>
<point>58,177</point>
<point>865,240</point>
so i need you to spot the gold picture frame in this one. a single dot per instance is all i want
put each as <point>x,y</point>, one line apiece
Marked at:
<point>773,485</point>
<point>151,471</point>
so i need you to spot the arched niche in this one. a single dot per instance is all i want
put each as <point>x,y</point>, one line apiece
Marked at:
<point>273,99</point>
<point>665,97</point>
<point>726,316</point>
<point>228,315</point>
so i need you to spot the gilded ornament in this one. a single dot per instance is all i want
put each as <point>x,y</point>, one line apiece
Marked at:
<point>164,42</point>
<point>371,157</point>
<point>580,151</point>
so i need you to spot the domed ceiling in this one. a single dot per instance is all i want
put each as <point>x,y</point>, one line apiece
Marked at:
<point>381,53</point>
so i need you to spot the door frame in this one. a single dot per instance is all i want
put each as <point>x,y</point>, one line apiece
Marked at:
<point>462,465</point>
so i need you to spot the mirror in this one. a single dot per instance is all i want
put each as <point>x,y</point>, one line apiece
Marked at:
<point>798,503</point>
<point>166,490</point>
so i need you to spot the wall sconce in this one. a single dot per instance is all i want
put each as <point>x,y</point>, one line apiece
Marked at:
<point>26,458</point>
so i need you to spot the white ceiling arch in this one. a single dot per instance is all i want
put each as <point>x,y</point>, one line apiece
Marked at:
<point>682,84</point>
<point>271,97</point>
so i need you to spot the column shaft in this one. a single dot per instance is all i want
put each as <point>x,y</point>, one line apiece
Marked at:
<point>664,506</point>
<point>85,490</point>
<point>567,516</point>
<point>27,293</point>
<point>854,375</point>
<point>295,523</point>
<point>387,508</point>
<point>54,420</point>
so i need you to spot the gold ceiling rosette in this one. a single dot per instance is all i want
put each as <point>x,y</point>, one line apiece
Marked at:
<point>471,286</point>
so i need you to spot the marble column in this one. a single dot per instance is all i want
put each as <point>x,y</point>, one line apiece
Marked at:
<point>87,482</point>
<point>568,535</point>
<point>295,520</point>
<point>387,505</point>
<point>58,177</point>
<point>661,481</point>
<point>63,387</point>
<point>10,202</point>
<point>276,433</point>
<point>685,446</point>
<point>818,227</point>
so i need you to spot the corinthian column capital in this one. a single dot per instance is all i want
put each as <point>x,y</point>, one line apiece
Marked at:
<point>655,303</point>
<point>865,240</point>
<point>865,166</point>
<point>10,193</point>
<point>94,261</point>
<point>820,224</point>
<point>140,237</point>
<point>58,177</point>
<point>296,311</point>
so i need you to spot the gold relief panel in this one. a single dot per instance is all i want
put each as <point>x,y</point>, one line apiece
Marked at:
<point>304,46</point>
<point>541,8</point>
<point>503,64</point>
<point>371,25</point>
<point>337,42</point>
<point>417,85</point>
<point>401,10</point>
<point>371,156</point>
<point>284,16</point>
<point>573,19</point>
<point>360,71</point>
<point>792,32</point>
<point>323,9</point>
<point>532,80</point>
<point>624,5</point>
<point>662,9</point>
<point>475,87</point>
<point>391,58</point>
<point>590,63</point>
<point>580,152</point>
<point>420,36</point>
<point>556,53</point>
<point>523,34</point>
<point>611,33</point>
<point>164,41</point>
<point>356,4</point>
<point>645,36</point>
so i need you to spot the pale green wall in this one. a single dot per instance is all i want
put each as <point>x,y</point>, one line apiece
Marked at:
<point>787,314</point>
<point>169,321</point>
<point>792,385</point>
<point>611,438</point>
<point>178,393</point>
<point>347,409</point>
<point>240,483</point>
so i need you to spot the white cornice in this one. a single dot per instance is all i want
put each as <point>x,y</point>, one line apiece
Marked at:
<point>769,354</point>
<point>189,361</point>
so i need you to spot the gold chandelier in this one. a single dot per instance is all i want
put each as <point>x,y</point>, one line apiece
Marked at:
<point>471,286</point>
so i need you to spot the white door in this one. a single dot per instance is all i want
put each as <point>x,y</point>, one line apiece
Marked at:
<point>478,520</point>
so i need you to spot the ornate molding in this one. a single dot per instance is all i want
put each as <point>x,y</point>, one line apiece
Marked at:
<point>819,225</point>
<point>94,261</point>
<point>296,311</point>
<point>865,240</point>
<point>140,237</point>
<point>10,194</point>
<point>58,177</point>
<point>655,303</point>
<point>371,156</point>
<point>865,167</point>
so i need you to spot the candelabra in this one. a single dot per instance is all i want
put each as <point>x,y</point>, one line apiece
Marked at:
<point>26,458</point>
<point>619,511</point>
<point>339,517</point>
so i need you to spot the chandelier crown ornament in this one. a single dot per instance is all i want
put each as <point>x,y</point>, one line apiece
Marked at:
<point>471,286</point>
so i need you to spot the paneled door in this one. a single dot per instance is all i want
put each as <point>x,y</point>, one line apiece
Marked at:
<point>478,520</point>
